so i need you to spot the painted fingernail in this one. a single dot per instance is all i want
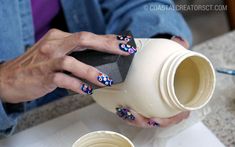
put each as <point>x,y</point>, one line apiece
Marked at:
<point>104,79</point>
<point>153,123</point>
<point>125,113</point>
<point>86,89</point>
<point>124,38</point>
<point>127,48</point>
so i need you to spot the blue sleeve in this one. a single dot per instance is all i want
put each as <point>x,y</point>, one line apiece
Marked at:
<point>10,112</point>
<point>145,18</point>
<point>7,121</point>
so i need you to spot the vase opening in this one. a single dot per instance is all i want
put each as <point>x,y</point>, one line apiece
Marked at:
<point>193,82</point>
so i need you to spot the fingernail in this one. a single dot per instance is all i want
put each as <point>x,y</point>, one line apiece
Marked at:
<point>177,37</point>
<point>86,89</point>
<point>124,38</point>
<point>153,123</point>
<point>127,48</point>
<point>104,79</point>
<point>125,113</point>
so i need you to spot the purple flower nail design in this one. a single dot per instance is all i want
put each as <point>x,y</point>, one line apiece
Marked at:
<point>86,89</point>
<point>124,38</point>
<point>127,48</point>
<point>153,123</point>
<point>125,113</point>
<point>104,79</point>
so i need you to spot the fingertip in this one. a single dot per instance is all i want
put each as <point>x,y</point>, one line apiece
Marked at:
<point>125,38</point>
<point>141,121</point>
<point>104,79</point>
<point>133,118</point>
<point>86,89</point>
<point>127,48</point>
<point>181,41</point>
<point>153,123</point>
<point>124,53</point>
<point>125,113</point>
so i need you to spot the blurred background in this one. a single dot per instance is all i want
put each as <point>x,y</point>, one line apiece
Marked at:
<point>208,24</point>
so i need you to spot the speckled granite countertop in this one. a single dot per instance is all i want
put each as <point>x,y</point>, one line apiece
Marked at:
<point>221,120</point>
<point>221,51</point>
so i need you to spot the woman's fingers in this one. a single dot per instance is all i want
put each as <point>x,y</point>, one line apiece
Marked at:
<point>138,120</point>
<point>65,81</point>
<point>165,122</point>
<point>58,43</point>
<point>81,70</point>
<point>131,117</point>
<point>103,43</point>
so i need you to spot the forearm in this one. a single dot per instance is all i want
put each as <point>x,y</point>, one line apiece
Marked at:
<point>2,85</point>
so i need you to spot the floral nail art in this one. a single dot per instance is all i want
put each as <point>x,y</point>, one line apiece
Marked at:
<point>127,48</point>
<point>86,89</point>
<point>124,38</point>
<point>153,123</point>
<point>104,79</point>
<point>125,113</point>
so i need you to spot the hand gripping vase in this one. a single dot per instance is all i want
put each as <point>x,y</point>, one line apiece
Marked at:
<point>164,79</point>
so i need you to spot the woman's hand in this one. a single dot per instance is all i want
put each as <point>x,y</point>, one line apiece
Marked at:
<point>39,70</point>
<point>135,119</point>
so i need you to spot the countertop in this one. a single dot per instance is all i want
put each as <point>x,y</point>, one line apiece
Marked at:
<point>220,50</point>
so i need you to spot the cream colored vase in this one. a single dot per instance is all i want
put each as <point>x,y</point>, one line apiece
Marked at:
<point>164,79</point>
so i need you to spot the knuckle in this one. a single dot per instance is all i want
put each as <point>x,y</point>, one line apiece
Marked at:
<point>89,70</point>
<point>66,61</point>
<point>45,48</point>
<point>84,34</point>
<point>51,32</point>
<point>83,37</point>
<point>73,85</point>
<point>112,37</point>
<point>56,79</point>
<point>110,43</point>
